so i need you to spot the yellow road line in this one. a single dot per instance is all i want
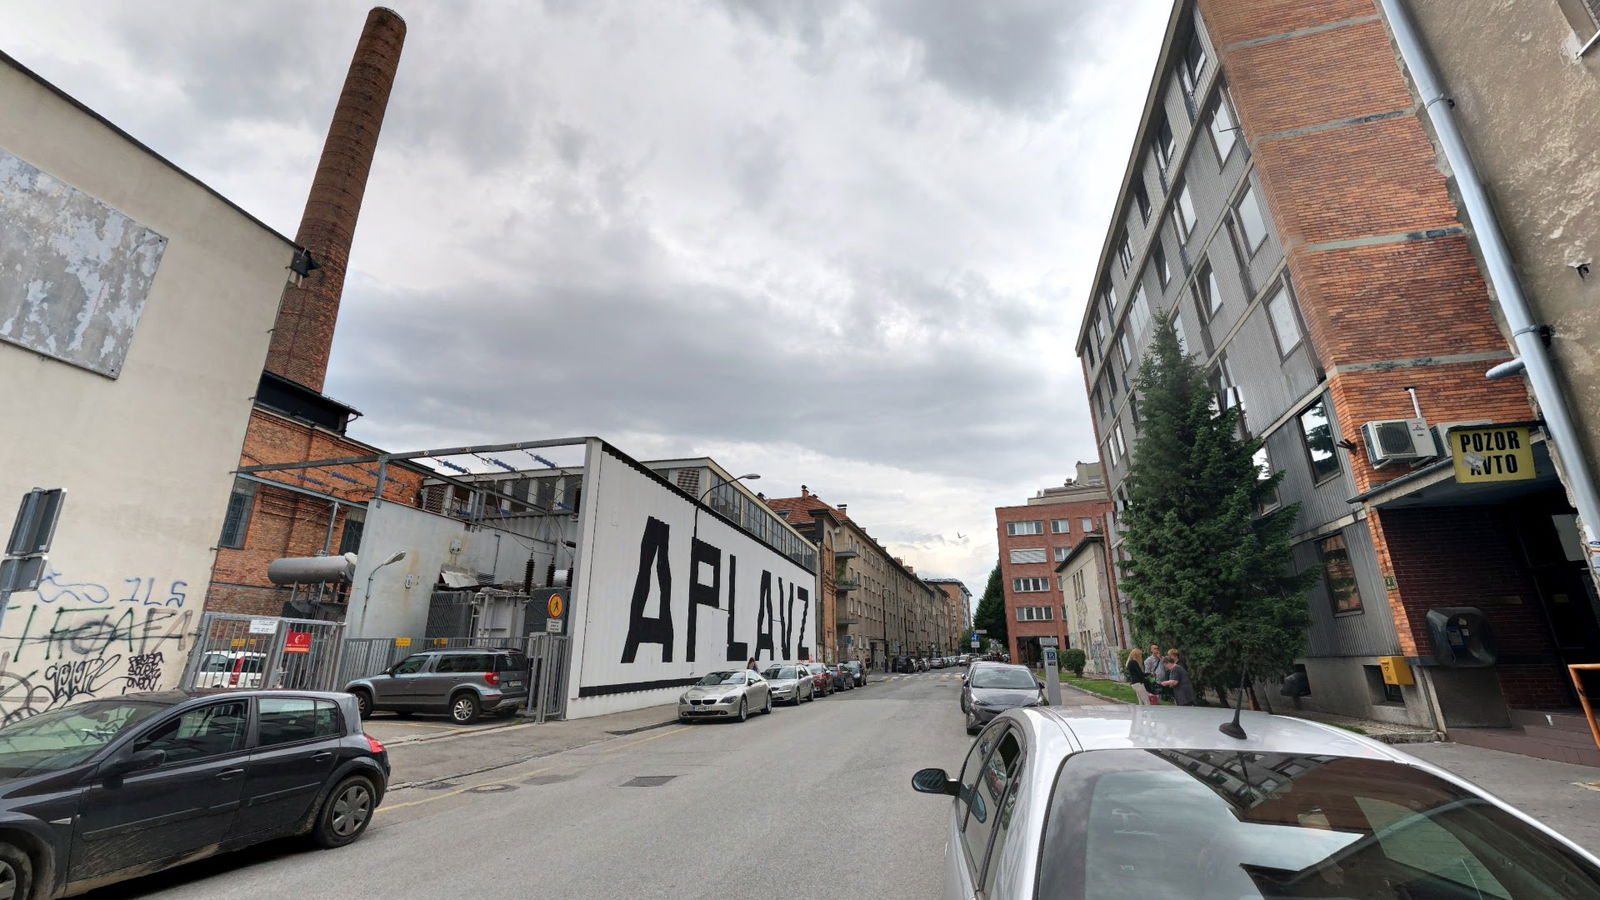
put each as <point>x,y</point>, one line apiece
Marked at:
<point>655,737</point>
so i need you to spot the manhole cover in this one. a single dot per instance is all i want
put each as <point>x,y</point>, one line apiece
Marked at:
<point>648,780</point>
<point>492,789</point>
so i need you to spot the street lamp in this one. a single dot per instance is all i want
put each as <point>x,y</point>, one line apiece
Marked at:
<point>366,601</point>
<point>703,494</point>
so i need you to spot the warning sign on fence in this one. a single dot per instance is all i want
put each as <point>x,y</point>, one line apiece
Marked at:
<point>298,642</point>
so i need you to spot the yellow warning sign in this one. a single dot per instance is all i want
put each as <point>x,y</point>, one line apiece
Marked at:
<point>237,642</point>
<point>402,642</point>
<point>557,606</point>
<point>1492,453</point>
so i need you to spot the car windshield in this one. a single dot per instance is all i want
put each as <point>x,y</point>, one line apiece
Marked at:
<point>1229,825</point>
<point>816,668</point>
<point>1002,679</point>
<point>721,678</point>
<point>780,673</point>
<point>60,738</point>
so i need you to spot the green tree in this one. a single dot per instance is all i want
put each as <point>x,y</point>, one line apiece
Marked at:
<point>991,612</point>
<point>1209,573</point>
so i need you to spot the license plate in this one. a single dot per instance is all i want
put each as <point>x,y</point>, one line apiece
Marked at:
<point>514,684</point>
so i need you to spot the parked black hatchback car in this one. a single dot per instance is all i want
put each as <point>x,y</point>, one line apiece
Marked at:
<point>104,790</point>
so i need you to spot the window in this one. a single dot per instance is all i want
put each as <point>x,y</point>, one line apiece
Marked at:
<point>1079,590</point>
<point>1252,226</point>
<point>1099,326</point>
<point>1088,350</point>
<point>1318,433</point>
<point>1165,146</point>
<point>1224,132</point>
<point>1193,65</point>
<point>1030,585</point>
<point>1118,442</point>
<point>1013,529</point>
<point>1125,253</point>
<point>465,662</point>
<point>1285,323</point>
<point>1141,199</point>
<point>1158,261</point>
<point>1125,346</point>
<point>284,720</point>
<point>411,665</point>
<point>1264,472</point>
<point>200,733</point>
<point>1185,213</point>
<point>1339,574</point>
<point>1178,329</point>
<point>1061,553</point>
<point>1223,385</point>
<point>237,520</point>
<point>1086,524</point>
<point>1100,401</point>
<point>1024,557</point>
<point>1035,613</point>
<point>1060,526</point>
<point>1138,311</point>
<point>1208,294</point>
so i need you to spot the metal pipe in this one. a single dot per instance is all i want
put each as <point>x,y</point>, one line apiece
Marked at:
<point>1500,272</point>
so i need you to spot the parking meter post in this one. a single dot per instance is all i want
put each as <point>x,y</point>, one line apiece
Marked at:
<point>1052,672</point>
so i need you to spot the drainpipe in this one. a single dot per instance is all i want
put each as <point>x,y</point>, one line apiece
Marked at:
<point>1502,277</point>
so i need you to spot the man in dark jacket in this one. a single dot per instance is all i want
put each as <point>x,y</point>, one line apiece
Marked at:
<point>1178,680</point>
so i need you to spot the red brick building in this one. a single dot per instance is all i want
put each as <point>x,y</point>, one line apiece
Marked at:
<point>1285,200</point>
<point>1034,538</point>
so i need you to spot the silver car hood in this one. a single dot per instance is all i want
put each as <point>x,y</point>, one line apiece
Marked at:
<point>716,690</point>
<point>786,682</point>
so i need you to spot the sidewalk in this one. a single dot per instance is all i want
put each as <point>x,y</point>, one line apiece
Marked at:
<point>428,760</point>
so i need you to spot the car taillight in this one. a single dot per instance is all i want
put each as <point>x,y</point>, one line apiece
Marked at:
<point>492,679</point>
<point>373,743</point>
<point>233,680</point>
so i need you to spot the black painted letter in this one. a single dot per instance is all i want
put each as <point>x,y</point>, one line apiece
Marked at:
<point>736,649</point>
<point>641,629</point>
<point>702,594</point>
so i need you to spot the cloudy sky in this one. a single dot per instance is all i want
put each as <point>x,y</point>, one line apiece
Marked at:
<point>836,243</point>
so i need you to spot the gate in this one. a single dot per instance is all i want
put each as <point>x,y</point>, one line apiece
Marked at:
<point>239,651</point>
<point>547,672</point>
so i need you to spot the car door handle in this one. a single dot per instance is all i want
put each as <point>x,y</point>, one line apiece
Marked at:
<point>323,756</point>
<point>229,774</point>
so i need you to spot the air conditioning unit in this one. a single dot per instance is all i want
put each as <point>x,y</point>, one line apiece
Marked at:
<point>1398,441</point>
<point>1441,433</point>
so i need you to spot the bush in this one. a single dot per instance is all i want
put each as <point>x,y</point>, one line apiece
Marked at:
<point>1073,660</point>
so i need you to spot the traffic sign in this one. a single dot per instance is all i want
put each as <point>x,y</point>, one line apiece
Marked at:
<point>552,626</point>
<point>974,643</point>
<point>297,642</point>
<point>556,606</point>
<point>35,525</point>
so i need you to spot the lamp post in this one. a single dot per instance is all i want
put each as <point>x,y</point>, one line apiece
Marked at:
<point>366,600</point>
<point>703,494</point>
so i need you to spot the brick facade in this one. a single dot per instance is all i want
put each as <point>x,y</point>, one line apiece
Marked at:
<point>1052,597</point>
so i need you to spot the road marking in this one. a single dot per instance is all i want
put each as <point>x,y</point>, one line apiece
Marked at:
<point>655,737</point>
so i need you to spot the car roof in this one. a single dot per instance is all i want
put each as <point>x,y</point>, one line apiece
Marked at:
<point>447,651</point>
<point>175,697</point>
<point>1129,727</point>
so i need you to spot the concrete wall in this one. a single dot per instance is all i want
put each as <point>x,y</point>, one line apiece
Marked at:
<point>396,609</point>
<point>646,620</point>
<point>1530,111</point>
<point>145,445</point>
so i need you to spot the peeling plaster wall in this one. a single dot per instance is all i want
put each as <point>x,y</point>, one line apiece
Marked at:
<point>74,273</point>
<point>145,457</point>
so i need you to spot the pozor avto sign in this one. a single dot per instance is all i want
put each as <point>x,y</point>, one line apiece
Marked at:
<point>1490,453</point>
<point>669,594</point>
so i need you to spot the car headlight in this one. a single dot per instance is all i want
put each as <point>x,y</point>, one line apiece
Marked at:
<point>684,698</point>
<point>728,699</point>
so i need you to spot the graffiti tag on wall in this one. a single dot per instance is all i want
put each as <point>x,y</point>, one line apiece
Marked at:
<point>82,640</point>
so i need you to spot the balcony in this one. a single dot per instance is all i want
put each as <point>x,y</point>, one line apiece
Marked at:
<point>845,554</point>
<point>845,585</point>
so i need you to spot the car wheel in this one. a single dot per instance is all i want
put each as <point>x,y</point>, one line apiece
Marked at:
<point>16,873</point>
<point>464,708</point>
<point>346,813</point>
<point>363,703</point>
<point>744,709</point>
<point>768,710</point>
<point>972,724</point>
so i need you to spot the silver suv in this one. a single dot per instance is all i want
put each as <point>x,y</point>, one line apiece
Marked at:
<point>462,684</point>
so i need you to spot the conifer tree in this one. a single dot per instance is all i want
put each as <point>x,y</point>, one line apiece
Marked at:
<point>1209,573</point>
<point>991,611</point>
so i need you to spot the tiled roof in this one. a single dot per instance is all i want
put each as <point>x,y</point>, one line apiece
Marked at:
<point>800,508</point>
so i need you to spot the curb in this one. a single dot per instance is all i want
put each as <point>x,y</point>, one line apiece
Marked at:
<point>628,731</point>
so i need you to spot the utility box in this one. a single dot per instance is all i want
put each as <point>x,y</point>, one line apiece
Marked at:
<point>1395,670</point>
<point>1461,637</point>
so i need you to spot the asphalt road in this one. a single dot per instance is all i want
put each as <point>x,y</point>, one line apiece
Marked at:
<point>814,801</point>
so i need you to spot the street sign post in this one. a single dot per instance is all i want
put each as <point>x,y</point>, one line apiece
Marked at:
<point>1052,671</point>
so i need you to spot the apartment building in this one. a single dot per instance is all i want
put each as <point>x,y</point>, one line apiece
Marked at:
<point>1034,538</point>
<point>1285,199</point>
<point>957,611</point>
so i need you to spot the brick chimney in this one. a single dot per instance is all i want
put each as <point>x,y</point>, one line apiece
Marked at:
<point>303,336</point>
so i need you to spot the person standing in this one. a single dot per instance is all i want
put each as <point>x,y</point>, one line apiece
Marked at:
<point>1152,663</point>
<point>1155,668</point>
<point>1136,674</point>
<point>1178,680</point>
<point>752,665</point>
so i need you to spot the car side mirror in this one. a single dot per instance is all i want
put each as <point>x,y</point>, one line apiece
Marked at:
<point>1040,680</point>
<point>935,781</point>
<point>138,761</point>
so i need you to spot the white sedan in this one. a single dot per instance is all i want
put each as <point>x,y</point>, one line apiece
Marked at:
<point>733,694</point>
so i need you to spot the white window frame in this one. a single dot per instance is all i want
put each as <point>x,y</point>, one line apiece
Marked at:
<point>1249,197</point>
<point>1183,211</point>
<point>1087,523</point>
<point>1056,526</point>
<point>1030,585</point>
<point>1223,122</point>
<point>1015,529</point>
<point>1284,317</point>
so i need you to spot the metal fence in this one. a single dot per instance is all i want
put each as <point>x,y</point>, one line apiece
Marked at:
<point>240,651</point>
<point>548,668</point>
